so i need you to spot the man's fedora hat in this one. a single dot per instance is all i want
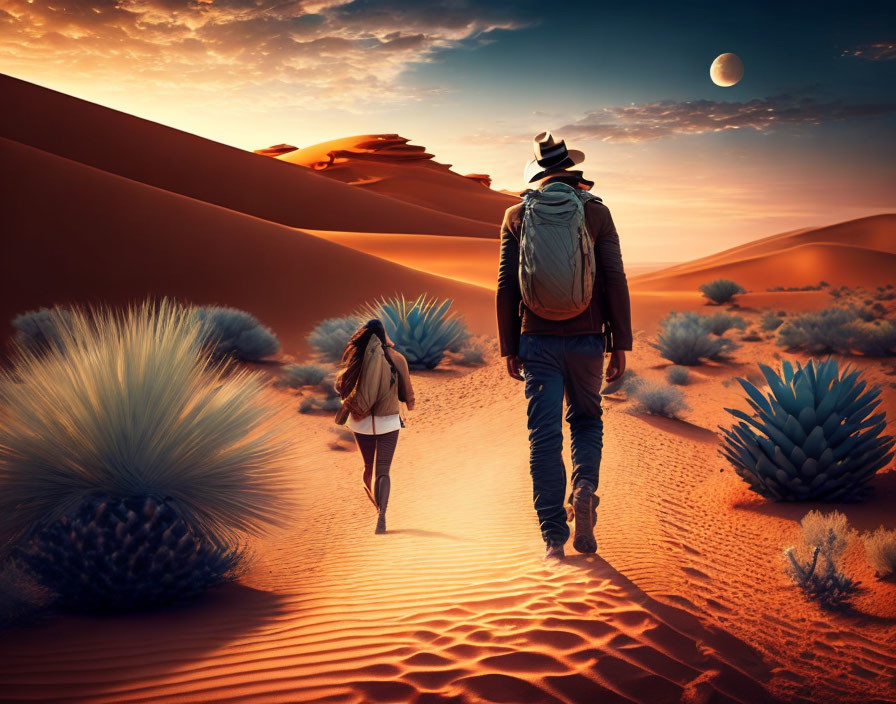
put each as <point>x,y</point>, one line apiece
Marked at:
<point>550,156</point>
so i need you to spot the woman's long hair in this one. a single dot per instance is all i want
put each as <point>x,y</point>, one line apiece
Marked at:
<point>353,356</point>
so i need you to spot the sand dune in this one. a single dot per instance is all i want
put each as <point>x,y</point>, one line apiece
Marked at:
<point>470,259</point>
<point>199,168</point>
<point>108,239</point>
<point>387,164</point>
<point>867,247</point>
<point>800,265</point>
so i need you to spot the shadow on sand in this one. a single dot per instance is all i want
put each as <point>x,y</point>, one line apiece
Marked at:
<point>73,656</point>
<point>682,428</point>
<point>867,515</point>
<point>740,671</point>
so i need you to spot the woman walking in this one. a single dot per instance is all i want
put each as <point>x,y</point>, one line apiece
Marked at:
<point>373,381</point>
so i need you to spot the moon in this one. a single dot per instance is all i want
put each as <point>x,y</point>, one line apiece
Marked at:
<point>726,70</point>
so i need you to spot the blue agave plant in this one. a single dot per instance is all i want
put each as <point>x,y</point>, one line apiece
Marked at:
<point>422,330</point>
<point>812,437</point>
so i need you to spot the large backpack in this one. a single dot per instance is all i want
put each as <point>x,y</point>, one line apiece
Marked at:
<point>376,383</point>
<point>557,260</point>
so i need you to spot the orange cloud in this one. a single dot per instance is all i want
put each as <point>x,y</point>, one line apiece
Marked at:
<point>305,53</point>
<point>880,51</point>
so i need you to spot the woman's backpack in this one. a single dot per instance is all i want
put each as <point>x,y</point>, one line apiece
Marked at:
<point>557,260</point>
<point>375,383</point>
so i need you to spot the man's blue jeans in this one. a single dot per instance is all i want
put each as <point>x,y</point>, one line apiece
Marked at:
<point>552,366</point>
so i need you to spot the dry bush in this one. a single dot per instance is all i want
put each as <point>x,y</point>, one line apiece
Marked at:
<point>815,564</point>
<point>880,547</point>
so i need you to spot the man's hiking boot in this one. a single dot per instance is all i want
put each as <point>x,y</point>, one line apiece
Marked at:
<point>584,506</point>
<point>553,551</point>
<point>381,523</point>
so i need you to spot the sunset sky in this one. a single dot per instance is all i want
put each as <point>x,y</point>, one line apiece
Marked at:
<point>807,137</point>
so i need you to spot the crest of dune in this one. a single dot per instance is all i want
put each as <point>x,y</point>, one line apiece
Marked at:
<point>276,150</point>
<point>484,179</point>
<point>388,148</point>
<point>387,164</point>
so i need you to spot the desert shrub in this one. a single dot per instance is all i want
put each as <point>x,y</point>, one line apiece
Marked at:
<point>769,322</point>
<point>422,329</point>
<point>867,312</point>
<point>841,292</point>
<point>720,323</point>
<point>751,336</point>
<point>330,337</point>
<point>792,289</point>
<point>328,404</point>
<point>660,400</point>
<point>815,564</point>
<point>818,332</point>
<point>296,376</point>
<point>812,437</point>
<point>876,339</point>
<point>838,330</point>
<point>679,376</point>
<point>235,333</point>
<point>472,353</point>
<point>38,330</point>
<point>685,339</point>
<point>132,466</point>
<point>721,290</point>
<point>626,384</point>
<point>880,547</point>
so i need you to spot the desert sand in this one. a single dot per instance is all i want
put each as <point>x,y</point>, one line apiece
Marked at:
<point>687,601</point>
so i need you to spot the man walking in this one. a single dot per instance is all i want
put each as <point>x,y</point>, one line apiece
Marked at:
<point>562,303</point>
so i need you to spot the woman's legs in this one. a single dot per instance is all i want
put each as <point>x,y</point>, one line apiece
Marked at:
<point>367,446</point>
<point>385,451</point>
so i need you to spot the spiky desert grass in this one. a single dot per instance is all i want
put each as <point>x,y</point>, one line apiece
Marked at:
<point>231,332</point>
<point>678,376</point>
<point>295,376</point>
<point>130,404</point>
<point>659,400</point>
<point>37,330</point>
<point>330,337</point>
<point>721,290</point>
<point>684,339</point>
